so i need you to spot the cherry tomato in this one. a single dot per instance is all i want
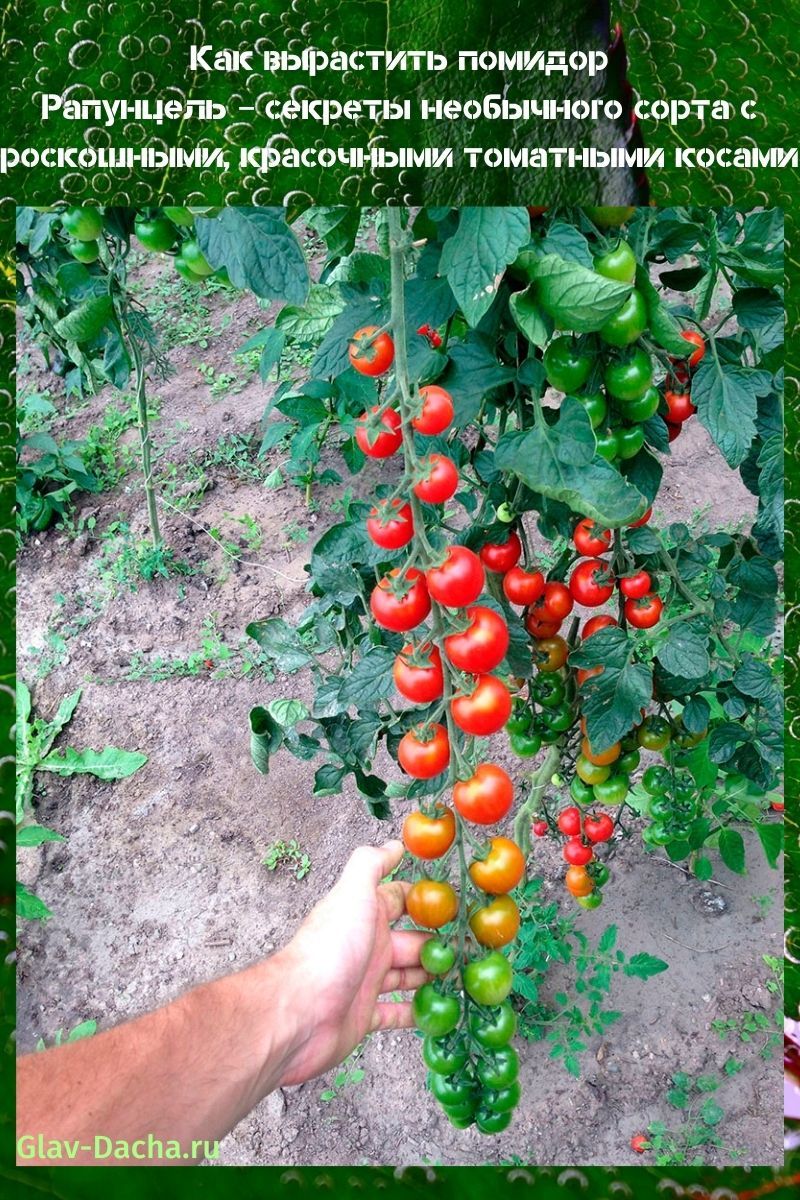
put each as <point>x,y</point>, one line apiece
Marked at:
<point>635,586</point>
<point>442,1055</point>
<point>501,556</point>
<point>434,338</point>
<point>642,520</point>
<point>548,690</point>
<point>645,612</point>
<point>459,580</point>
<point>611,791</point>
<point>556,601</point>
<point>539,628</point>
<point>424,752</point>
<point>654,733</point>
<point>383,441</point>
<point>540,828</point>
<point>628,323</point>
<point>596,407</point>
<point>558,720</point>
<point>195,260</point>
<point>485,710</point>
<point>629,440</point>
<point>502,868</point>
<point>644,408</point>
<point>590,772</point>
<point>156,235</point>
<point>429,837</point>
<point>629,761</point>
<point>82,224</point>
<point>495,924</point>
<point>419,683</point>
<point>500,1068</point>
<point>606,216</point>
<point>434,1013</point>
<point>488,980</point>
<point>695,339</point>
<point>505,514</point>
<point>585,673</point>
<point>602,758</point>
<point>84,252</point>
<point>589,583</point>
<point>492,1029</point>
<point>437,411</point>
<point>437,958</point>
<point>596,623</point>
<point>482,645</point>
<point>629,378</point>
<point>453,1093</point>
<point>404,608</point>
<point>566,366</point>
<point>439,479</point>
<point>581,792</point>
<point>486,796</point>
<point>578,881</point>
<point>640,1143</point>
<point>606,444</point>
<point>550,654</point>
<point>520,719</point>
<point>598,827</point>
<point>569,821</point>
<point>185,271</point>
<point>431,903</point>
<point>502,1100</point>
<point>593,900</point>
<point>391,527</point>
<point>523,587</point>
<point>777,805</point>
<point>576,853</point>
<point>368,354</point>
<point>679,407</point>
<point>590,539</point>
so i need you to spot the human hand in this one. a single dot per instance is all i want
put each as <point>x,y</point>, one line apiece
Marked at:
<point>344,957</point>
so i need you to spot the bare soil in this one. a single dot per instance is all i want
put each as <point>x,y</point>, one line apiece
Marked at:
<point>160,883</point>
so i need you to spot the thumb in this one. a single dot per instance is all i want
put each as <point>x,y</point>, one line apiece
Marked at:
<point>369,864</point>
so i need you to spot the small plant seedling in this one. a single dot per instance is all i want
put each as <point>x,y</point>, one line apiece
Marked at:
<point>289,855</point>
<point>348,1074</point>
<point>85,1029</point>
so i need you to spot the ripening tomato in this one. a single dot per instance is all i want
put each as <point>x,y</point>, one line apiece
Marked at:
<point>645,612</point>
<point>596,623</point>
<point>429,837</point>
<point>424,752</point>
<point>501,556</point>
<point>591,773</point>
<point>485,710</point>
<point>590,539</point>
<point>400,603</point>
<point>591,583</point>
<point>602,758</point>
<point>391,526</point>
<point>569,821</point>
<point>501,869</point>
<point>578,881</point>
<point>679,407</point>
<point>556,601</point>
<point>383,440</point>
<point>584,673</point>
<point>654,733</point>
<point>459,580</point>
<point>642,520</point>
<point>431,903</point>
<point>523,587</point>
<point>439,479</point>
<point>370,354</point>
<point>695,339</point>
<point>486,797</point>
<point>550,654</point>
<point>418,673</point>
<point>482,645</point>
<point>576,853</point>
<point>495,924</point>
<point>540,828</point>
<point>598,827</point>
<point>539,626</point>
<point>635,586</point>
<point>437,411</point>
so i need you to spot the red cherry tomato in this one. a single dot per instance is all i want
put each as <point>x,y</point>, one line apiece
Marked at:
<point>420,684</point>
<point>640,1143</point>
<point>482,645</point>
<point>400,605</point>
<point>576,853</point>
<point>695,339</point>
<point>523,587</point>
<point>485,710</point>
<point>635,586</point>
<point>501,556</point>
<point>539,628</point>
<point>391,526</point>
<point>598,827</point>
<point>486,796</point>
<point>645,612</point>
<point>381,442</point>
<point>556,601</point>
<point>540,828</point>
<point>595,623</point>
<point>434,339</point>
<point>459,580</point>
<point>679,407</point>
<point>777,805</point>
<point>590,540</point>
<point>424,752</point>
<point>590,584</point>
<point>439,479</point>
<point>370,355</point>
<point>642,520</point>
<point>437,411</point>
<point>569,821</point>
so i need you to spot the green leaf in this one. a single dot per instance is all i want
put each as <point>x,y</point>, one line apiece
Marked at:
<point>328,780</point>
<point>475,257</point>
<point>703,868</point>
<point>770,834</point>
<point>35,835</point>
<point>576,297</point>
<point>309,324</point>
<point>608,939</point>
<point>86,320</point>
<point>710,1113</point>
<point>109,763</point>
<point>684,652</point>
<point>288,712</point>
<point>30,907</point>
<point>756,679</point>
<point>664,328</point>
<point>726,395</point>
<point>644,966</point>
<point>724,741</point>
<point>280,642</point>
<point>568,243</point>
<point>612,701</point>
<point>560,462</point>
<point>266,737</point>
<point>762,313</point>
<point>370,680</point>
<point>258,250</point>
<point>696,715</point>
<point>473,374</point>
<point>731,849</point>
<point>530,318</point>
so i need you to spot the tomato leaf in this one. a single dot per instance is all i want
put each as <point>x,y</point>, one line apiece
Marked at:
<point>36,835</point>
<point>663,327</point>
<point>696,715</point>
<point>475,257</point>
<point>280,642</point>
<point>703,868</point>
<point>266,737</point>
<point>726,395</point>
<point>258,250</point>
<point>770,834</point>
<point>560,461</point>
<point>370,679</point>
<point>684,653</point>
<point>612,701</point>
<point>644,966</point>
<point>30,907</point>
<point>474,373</point>
<point>731,849</point>
<point>530,317</point>
<point>576,297</point>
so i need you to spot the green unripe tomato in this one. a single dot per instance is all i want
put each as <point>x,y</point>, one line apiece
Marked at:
<point>82,224</point>
<point>618,263</point>
<point>193,256</point>
<point>494,1029</point>
<point>436,957</point>
<point>452,1092</point>
<point>566,366</point>
<point>628,323</point>
<point>186,272</point>
<point>502,1099</point>
<point>505,514</point>
<point>655,780</point>
<point>489,1121</point>
<point>581,792</point>
<point>525,745</point>
<point>443,1058</point>
<point>607,445</point>
<point>487,980</point>
<point>559,719</point>
<point>435,1013</point>
<point>499,1069</point>
<point>629,378</point>
<point>608,217</point>
<point>593,900</point>
<point>84,252</point>
<point>629,440</point>
<point>612,791</point>
<point>458,1119</point>
<point>596,407</point>
<point>627,763</point>
<point>155,235</point>
<point>642,409</point>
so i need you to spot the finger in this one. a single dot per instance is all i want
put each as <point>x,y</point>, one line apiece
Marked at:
<point>392,1016</point>
<point>404,979</point>
<point>369,864</point>
<point>406,945</point>
<point>394,898</point>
